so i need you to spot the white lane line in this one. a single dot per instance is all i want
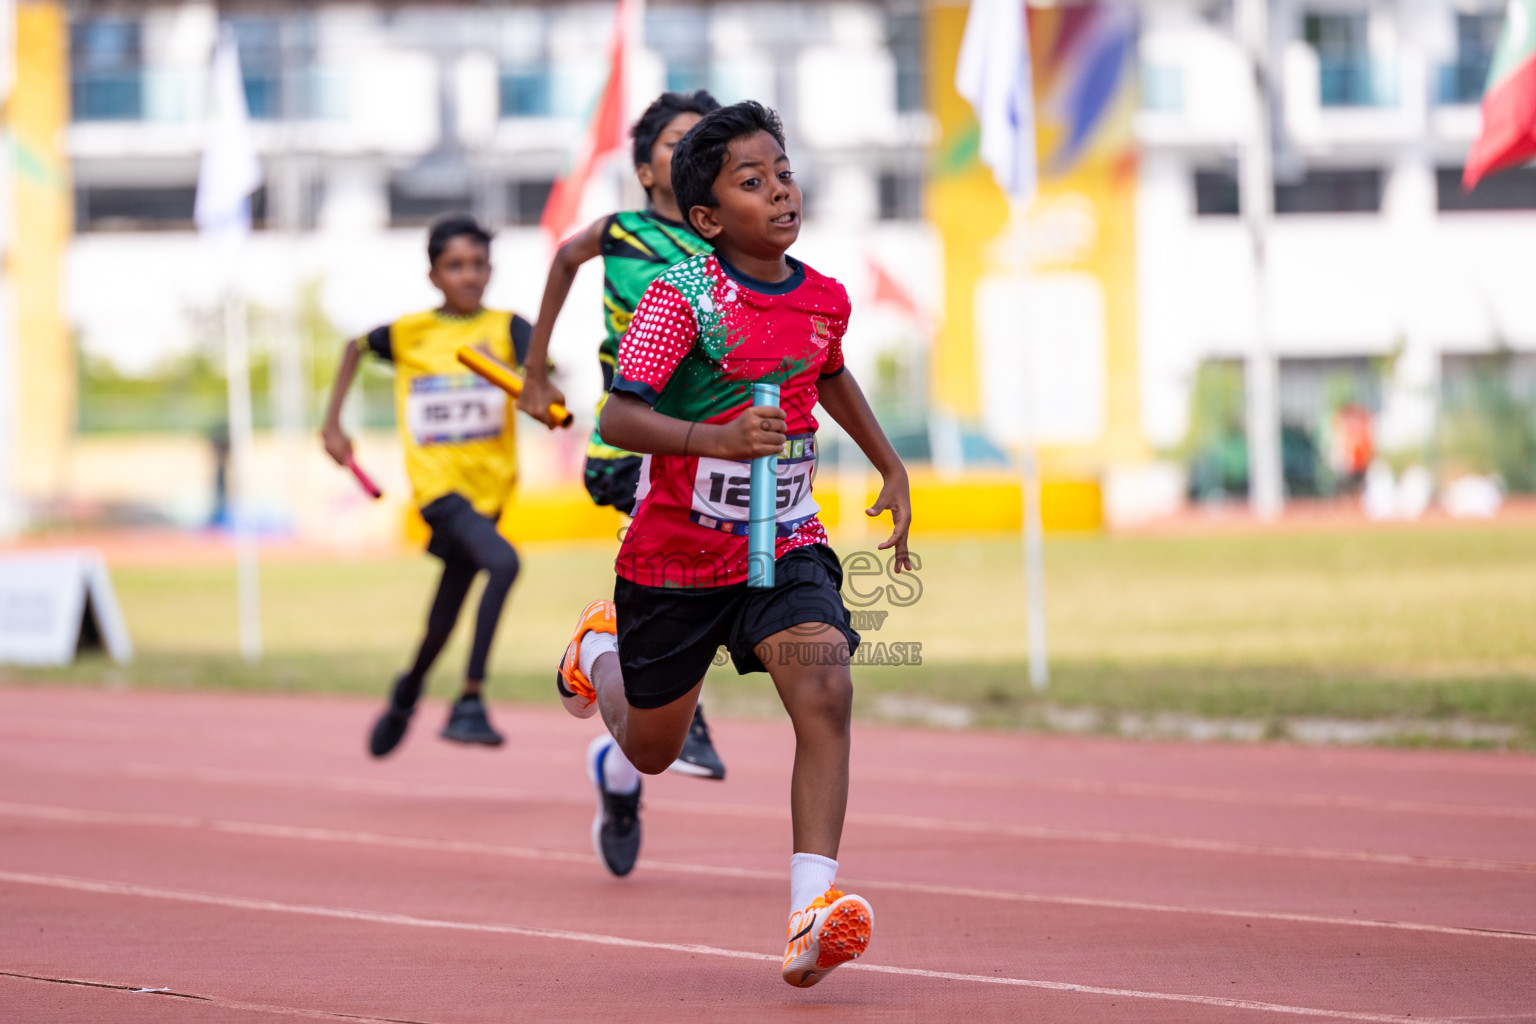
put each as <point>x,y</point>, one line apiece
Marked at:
<point>229,1004</point>
<point>89,817</point>
<point>1183,843</point>
<point>30,724</point>
<point>914,823</point>
<point>1204,794</point>
<point>599,939</point>
<point>1080,786</point>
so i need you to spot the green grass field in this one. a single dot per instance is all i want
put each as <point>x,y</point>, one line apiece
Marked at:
<point>1433,624</point>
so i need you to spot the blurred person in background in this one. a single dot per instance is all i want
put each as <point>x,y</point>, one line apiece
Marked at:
<point>458,433</point>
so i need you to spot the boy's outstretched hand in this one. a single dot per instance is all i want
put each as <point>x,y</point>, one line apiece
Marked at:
<point>896,496</point>
<point>758,431</point>
<point>537,396</point>
<point>337,444</point>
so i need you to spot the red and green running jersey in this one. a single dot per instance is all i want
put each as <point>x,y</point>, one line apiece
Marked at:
<point>701,336</point>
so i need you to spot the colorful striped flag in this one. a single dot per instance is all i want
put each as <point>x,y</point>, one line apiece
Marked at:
<point>1509,103</point>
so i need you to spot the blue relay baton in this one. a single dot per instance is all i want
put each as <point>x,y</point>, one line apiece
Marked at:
<point>762,525</point>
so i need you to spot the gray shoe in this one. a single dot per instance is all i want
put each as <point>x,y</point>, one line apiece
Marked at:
<point>467,723</point>
<point>698,757</point>
<point>616,828</point>
<point>388,731</point>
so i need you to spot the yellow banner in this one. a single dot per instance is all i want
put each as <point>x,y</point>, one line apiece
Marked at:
<point>1078,312</point>
<point>37,117</point>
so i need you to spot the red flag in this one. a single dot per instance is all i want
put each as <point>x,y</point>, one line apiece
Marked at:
<point>889,290</point>
<point>1509,105</point>
<point>605,134</point>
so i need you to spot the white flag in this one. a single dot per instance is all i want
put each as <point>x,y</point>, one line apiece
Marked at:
<point>230,171</point>
<point>994,77</point>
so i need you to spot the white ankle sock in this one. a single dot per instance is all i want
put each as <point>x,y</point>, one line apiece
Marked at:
<point>593,645</point>
<point>810,875</point>
<point>619,776</point>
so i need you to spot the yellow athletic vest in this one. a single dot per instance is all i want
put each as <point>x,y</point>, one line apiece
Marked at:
<point>457,429</point>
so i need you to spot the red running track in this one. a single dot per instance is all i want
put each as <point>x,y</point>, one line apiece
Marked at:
<point>243,855</point>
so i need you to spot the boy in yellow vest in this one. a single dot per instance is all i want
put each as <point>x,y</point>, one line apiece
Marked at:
<point>458,435</point>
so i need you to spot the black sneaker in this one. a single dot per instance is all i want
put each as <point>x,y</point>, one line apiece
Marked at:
<point>616,829</point>
<point>698,757</point>
<point>467,723</point>
<point>388,731</point>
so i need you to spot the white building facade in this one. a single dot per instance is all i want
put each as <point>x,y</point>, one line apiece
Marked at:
<point>1380,269</point>
<point>374,118</point>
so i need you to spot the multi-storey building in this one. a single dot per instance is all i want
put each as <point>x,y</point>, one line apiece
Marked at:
<point>374,118</point>
<point>1384,284</point>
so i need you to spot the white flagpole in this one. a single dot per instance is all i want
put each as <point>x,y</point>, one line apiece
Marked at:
<point>1029,467</point>
<point>237,368</point>
<point>994,76</point>
<point>230,173</point>
<point>1266,476</point>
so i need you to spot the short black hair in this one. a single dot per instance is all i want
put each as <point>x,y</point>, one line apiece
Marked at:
<point>697,160</point>
<point>660,114</point>
<point>453,226</point>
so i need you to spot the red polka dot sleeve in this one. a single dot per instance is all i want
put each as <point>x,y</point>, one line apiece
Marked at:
<point>832,365</point>
<point>660,335</point>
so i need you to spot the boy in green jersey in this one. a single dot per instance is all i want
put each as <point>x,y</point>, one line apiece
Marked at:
<point>636,247</point>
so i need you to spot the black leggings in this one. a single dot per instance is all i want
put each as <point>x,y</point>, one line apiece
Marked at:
<point>467,542</point>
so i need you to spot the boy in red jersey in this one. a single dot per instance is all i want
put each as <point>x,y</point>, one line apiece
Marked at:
<point>703,333</point>
<point>636,246</point>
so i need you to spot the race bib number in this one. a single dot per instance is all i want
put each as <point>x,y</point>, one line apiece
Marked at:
<point>722,490</point>
<point>454,408</point>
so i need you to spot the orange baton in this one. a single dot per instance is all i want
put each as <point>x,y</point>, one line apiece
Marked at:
<point>508,381</point>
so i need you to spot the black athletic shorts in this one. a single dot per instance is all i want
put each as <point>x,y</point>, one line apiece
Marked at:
<point>457,527</point>
<point>613,481</point>
<point>669,635</point>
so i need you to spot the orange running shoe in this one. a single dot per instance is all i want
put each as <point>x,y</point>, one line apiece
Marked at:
<point>575,690</point>
<point>833,930</point>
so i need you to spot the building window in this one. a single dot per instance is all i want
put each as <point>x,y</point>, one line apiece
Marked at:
<point>687,75</point>
<point>1487,417</point>
<point>279,62</point>
<point>1476,37</point>
<point>1219,15</point>
<point>146,208</point>
<point>1347,74</point>
<point>106,70</point>
<point>1507,190</point>
<point>524,83</point>
<point>412,209</point>
<point>904,36</point>
<point>1331,191</point>
<point>260,42</point>
<point>901,195</point>
<point>1328,408</point>
<point>680,36</point>
<point>1216,194</point>
<point>1472,379</point>
<point>526,200</point>
<point>525,91</point>
<point>1162,88</point>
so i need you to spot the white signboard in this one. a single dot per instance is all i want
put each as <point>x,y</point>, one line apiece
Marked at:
<point>54,603</point>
